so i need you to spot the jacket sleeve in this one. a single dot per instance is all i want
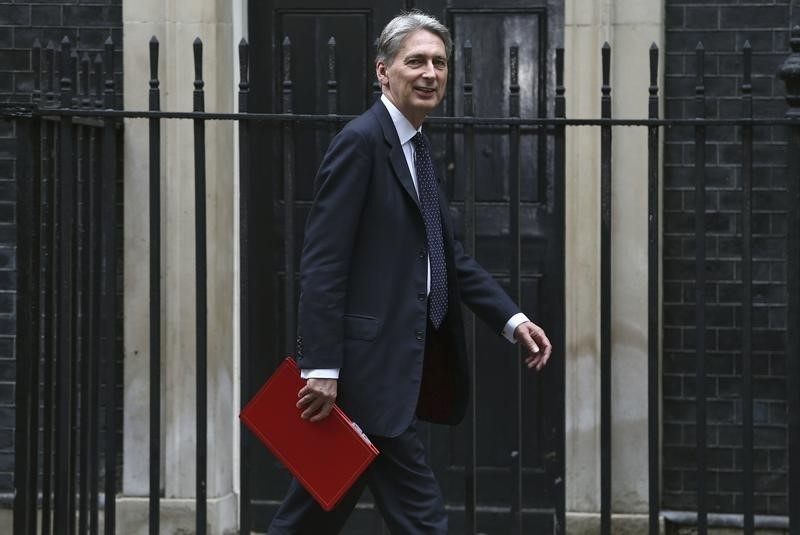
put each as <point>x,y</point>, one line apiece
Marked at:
<point>342,183</point>
<point>481,292</point>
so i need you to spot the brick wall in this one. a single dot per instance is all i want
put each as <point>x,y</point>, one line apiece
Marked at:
<point>88,24</point>
<point>723,27</point>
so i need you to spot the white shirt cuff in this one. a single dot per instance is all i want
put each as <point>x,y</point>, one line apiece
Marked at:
<point>511,326</point>
<point>320,373</point>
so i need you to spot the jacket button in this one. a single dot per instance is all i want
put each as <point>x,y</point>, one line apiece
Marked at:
<point>421,296</point>
<point>421,254</point>
<point>419,335</point>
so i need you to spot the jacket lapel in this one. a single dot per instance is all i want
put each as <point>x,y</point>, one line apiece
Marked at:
<point>396,156</point>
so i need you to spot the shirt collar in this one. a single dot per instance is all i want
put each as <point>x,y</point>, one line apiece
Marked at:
<point>405,130</point>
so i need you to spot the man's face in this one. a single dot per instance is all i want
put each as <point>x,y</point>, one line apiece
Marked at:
<point>415,80</point>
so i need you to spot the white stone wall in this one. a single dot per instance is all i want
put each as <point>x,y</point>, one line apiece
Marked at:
<point>630,27</point>
<point>176,24</point>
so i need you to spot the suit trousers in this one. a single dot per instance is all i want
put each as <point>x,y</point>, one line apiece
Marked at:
<point>401,481</point>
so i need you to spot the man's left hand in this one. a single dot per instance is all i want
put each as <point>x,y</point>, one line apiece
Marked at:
<point>535,342</point>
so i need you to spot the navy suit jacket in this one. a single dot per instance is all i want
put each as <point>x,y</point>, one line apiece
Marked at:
<point>363,278</point>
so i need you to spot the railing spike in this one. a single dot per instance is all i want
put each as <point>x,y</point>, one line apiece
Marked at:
<point>85,72</point>
<point>244,65</point>
<point>331,60</point>
<point>36,64</point>
<point>605,54</point>
<point>50,56</point>
<point>287,59</point>
<point>332,81</point>
<point>244,82</point>
<point>154,61</point>
<point>513,98</point>
<point>468,63</point>
<point>108,73</point>
<point>74,65</point>
<point>98,80</point>
<point>287,74</point>
<point>747,52</point>
<point>65,82</point>
<point>469,102</point>
<point>560,104</point>
<point>197,48</point>
<point>653,69</point>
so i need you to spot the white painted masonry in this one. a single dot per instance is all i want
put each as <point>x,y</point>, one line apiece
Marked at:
<point>630,27</point>
<point>176,24</point>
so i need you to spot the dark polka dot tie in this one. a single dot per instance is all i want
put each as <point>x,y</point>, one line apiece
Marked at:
<point>429,202</point>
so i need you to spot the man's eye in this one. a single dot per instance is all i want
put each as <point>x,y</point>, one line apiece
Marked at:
<point>440,63</point>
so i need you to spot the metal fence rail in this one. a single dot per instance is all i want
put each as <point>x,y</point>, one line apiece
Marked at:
<point>68,242</point>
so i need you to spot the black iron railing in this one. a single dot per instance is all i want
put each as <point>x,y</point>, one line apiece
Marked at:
<point>68,240</point>
<point>67,171</point>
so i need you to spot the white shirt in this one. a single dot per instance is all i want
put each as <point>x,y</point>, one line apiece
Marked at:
<point>406,131</point>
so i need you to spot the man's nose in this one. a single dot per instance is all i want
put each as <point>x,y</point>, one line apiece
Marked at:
<point>430,70</point>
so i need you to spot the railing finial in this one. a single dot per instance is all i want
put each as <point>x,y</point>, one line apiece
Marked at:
<point>86,101</point>
<point>514,96</point>
<point>469,103</point>
<point>108,74</point>
<point>153,62</point>
<point>287,75</point>
<point>244,81</point>
<point>333,85</point>
<point>653,69</point>
<point>244,65</point>
<point>36,64</point>
<point>98,80</point>
<point>197,48</point>
<point>65,82</point>
<point>653,88</point>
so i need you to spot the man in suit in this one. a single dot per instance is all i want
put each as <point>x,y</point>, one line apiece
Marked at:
<point>382,278</point>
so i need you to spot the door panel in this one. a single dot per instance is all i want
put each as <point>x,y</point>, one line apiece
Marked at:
<point>491,27</point>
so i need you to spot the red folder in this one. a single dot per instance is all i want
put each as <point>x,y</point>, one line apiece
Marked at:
<point>326,457</point>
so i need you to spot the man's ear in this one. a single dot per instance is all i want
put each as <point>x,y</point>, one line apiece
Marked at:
<point>380,72</point>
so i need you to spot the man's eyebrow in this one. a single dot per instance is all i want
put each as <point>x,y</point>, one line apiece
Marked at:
<point>420,55</point>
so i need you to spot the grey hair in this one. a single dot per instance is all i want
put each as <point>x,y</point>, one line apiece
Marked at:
<point>401,26</point>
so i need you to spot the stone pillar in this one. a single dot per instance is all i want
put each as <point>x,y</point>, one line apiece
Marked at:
<point>176,23</point>
<point>630,27</point>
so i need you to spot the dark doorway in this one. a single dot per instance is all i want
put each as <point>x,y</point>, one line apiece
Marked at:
<point>518,424</point>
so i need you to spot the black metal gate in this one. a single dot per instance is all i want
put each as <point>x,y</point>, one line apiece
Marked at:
<point>68,342</point>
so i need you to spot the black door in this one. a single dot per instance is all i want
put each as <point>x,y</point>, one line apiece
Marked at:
<point>518,428</point>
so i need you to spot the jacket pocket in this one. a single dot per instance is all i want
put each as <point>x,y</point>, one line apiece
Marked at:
<point>361,327</point>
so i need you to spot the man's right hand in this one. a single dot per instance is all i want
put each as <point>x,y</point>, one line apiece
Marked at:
<point>317,398</point>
